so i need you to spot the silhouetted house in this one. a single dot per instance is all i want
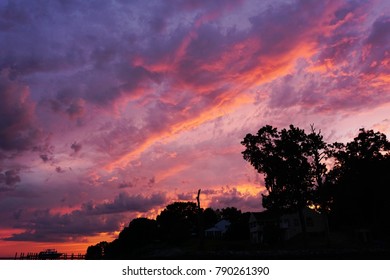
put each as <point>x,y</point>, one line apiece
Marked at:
<point>285,226</point>
<point>218,230</point>
<point>260,223</point>
<point>291,226</point>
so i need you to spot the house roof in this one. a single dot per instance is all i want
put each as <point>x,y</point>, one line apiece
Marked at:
<point>221,226</point>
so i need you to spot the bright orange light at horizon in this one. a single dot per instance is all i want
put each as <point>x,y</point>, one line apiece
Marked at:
<point>10,249</point>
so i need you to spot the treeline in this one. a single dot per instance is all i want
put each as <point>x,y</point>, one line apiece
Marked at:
<point>178,224</point>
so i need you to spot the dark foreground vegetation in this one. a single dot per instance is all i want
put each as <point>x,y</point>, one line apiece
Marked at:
<point>347,184</point>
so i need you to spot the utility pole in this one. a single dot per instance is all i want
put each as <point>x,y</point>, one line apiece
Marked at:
<point>200,222</point>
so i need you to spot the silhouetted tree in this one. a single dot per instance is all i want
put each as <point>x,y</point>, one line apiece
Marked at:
<point>133,240</point>
<point>178,221</point>
<point>318,153</point>
<point>139,231</point>
<point>210,217</point>
<point>362,182</point>
<point>291,163</point>
<point>323,191</point>
<point>230,213</point>
<point>96,252</point>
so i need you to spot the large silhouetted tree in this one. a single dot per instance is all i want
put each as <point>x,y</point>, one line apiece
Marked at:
<point>323,191</point>
<point>291,162</point>
<point>133,240</point>
<point>139,231</point>
<point>178,220</point>
<point>361,178</point>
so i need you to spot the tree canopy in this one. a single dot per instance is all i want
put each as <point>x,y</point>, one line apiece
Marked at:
<point>361,179</point>
<point>291,164</point>
<point>178,220</point>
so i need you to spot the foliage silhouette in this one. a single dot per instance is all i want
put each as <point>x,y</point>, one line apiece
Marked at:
<point>210,217</point>
<point>132,239</point>
<point>178,221</point>
<point>291,163</point>
<point>362,183</point>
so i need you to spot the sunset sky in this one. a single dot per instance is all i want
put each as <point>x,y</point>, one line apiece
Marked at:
<point>112,109</point>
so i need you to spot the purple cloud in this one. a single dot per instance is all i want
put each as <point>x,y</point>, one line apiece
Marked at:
<point>72,227</point>
<point>18,130</point>
<point>235,198</point>
<point>125,202</point>
<point>8,179</point>
<point>91,219</point>
<point>76,147</point>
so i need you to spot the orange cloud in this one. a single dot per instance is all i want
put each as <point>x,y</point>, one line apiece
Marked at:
<point>164,174</point>
<point>223,105</point>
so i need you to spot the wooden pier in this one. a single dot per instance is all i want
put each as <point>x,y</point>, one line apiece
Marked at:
<point>36,256</point>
